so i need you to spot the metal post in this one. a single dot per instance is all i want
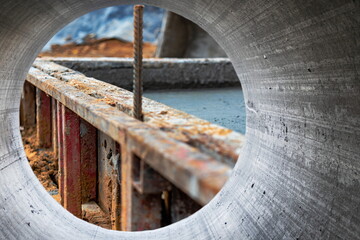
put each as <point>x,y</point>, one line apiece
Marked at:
<point>72,161</point>
<point>60,144</point>
<point>43,119</point>
<point>88,142</point>
<point>137,82</point>
<point>28,106</point>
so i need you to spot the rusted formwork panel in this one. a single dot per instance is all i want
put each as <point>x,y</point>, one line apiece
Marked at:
<point>28,106</point>
<point>88,141</point>
<point>116,191</point>
<point>197,174</point>
<point>126,185</point>
<point>72,161</point>
<point>108,156</point>
<point>115,214</point>
<point>138,211</point>
<point>109,189</point>
<point>54,126</point>
<point>59,108</point>
<point>43,119</point>
<point>221,143</point>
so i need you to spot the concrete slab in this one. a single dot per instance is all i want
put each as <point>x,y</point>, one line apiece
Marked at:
<point>222,106</point>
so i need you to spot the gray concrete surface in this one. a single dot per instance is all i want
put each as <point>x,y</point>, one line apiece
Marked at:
<point>182,38</point>
<point>298,176</point>
<point>222,106</point>
<point>165,73</point>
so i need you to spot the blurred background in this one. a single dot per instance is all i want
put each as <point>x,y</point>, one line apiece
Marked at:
<point>108,32</point>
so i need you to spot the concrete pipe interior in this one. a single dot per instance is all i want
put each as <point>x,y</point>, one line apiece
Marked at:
<point>298,176</point>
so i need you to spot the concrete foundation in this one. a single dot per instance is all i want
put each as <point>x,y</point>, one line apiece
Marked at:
<point>222,106</point>
<point>166,73</point>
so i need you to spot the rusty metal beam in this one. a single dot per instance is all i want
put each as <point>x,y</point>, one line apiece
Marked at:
<point>72,161</point>
<point>28,106</point>
<point>149,217</point>
<point>54,128</point>
<point>43,119</point>
<point>60,144</point>
<point>88,159</point>
<point>115,214</point>
<point>109,188</point>
<point>197,174</point>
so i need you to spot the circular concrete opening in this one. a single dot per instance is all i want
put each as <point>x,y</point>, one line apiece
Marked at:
<point>196,79</point>
<point>298,174</point>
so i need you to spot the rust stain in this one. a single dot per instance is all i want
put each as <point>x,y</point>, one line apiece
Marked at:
<point>43,162</point>
<point>174,143</point>
<point>221,143</point>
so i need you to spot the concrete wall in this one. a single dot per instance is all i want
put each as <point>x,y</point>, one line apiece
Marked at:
<point>298,176</point>
<point>158,73</point>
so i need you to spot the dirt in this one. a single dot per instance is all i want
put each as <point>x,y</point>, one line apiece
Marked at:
<point>105,47</point>
<point>92,213</point>
<point>42,161</point>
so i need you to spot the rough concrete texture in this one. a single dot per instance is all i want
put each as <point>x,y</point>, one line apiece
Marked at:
<point>298,176</point>
<point>165,73</point>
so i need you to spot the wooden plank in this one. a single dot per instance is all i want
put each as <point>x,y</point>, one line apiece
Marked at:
<point>107,153</point>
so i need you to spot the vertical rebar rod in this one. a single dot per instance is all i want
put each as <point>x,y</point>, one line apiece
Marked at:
<point>138,46</point>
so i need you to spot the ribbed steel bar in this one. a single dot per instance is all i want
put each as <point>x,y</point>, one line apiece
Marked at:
<point>137,81</point>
